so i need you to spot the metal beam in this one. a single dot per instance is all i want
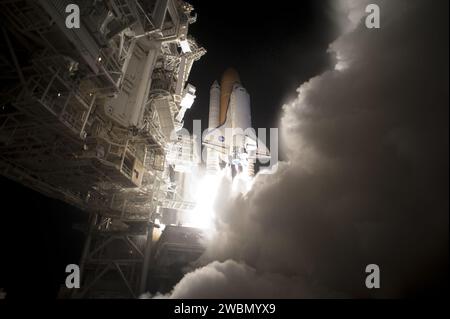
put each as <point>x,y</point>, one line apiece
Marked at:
<point>14,57</point>
<point>146,263</point>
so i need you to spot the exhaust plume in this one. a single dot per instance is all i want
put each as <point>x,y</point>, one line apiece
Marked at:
<point>366,179</point>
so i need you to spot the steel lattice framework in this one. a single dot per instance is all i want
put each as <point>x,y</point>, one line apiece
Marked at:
<point>86,116</point>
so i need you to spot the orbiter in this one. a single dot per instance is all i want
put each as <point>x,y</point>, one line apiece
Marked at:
<point>230,139</point>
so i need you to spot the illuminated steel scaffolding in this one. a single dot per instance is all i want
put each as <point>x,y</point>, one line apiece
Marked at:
<point>86,116</point>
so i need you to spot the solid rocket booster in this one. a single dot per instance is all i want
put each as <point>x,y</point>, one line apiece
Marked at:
<point>214,105</point>
<point>212,156</point>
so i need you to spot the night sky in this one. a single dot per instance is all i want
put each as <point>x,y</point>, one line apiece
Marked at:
<point>37,241</point>
<point>274,49</point>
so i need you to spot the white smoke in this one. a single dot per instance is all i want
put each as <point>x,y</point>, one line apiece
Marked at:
<point>367,175</point>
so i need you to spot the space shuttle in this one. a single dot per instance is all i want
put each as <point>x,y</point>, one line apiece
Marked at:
<point>230,139</point>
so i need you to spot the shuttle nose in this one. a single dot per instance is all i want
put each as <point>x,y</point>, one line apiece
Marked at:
<point>229,77</point>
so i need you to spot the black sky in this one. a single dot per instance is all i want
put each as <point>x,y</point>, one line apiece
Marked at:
<point>274,49</point>
<point>37,241</point>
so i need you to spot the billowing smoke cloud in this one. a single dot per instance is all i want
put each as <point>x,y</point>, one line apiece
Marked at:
<point>367,176</point>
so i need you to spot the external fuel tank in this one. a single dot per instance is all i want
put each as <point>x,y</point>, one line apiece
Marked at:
<point>229,78</point>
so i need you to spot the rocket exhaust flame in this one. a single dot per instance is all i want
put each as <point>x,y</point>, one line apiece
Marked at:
<point>206,193</point>
<point>207,197</point>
